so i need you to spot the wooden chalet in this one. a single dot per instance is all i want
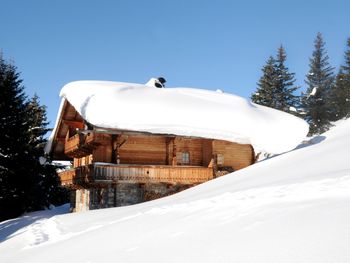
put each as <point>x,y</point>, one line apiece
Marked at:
<point>113,167</point>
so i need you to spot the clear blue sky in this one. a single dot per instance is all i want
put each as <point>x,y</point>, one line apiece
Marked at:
<point>195,43</point>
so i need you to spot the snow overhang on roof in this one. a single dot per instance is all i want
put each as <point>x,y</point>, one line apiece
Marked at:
<point>183,111</point>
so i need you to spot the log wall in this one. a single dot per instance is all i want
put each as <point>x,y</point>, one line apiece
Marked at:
<point>234,155</point>
<point>192,146</point>
<point>103,152</point>
<point>144,150</point>
<point>162,150</point>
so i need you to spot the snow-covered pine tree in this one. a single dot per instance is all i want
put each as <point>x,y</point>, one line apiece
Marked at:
<point>264,95</point>
<point>339,101</point>
<point>319,79</point>
<point>276,87</point>
<point>38,124</point>
<point>25,183</point>
<point>285,97</point>
<point>14,154</point>
<point>46,189</point>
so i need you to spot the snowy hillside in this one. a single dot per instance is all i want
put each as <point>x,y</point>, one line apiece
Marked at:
<point>292,208</point>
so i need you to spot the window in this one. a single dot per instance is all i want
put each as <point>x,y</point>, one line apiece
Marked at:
<point>185,158</point>
<point>220,159</point>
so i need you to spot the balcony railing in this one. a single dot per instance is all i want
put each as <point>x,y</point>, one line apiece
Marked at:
<point>109,173</point>
<point>67,177</point>
<point>81,145</point>
<point>72,144</point>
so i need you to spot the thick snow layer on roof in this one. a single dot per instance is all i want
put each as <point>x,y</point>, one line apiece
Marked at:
<point>184,111</point>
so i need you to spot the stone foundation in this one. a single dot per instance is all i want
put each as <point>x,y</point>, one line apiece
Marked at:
<point>122,194</point>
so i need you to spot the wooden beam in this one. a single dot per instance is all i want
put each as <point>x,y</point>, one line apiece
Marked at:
<point>74,124</point>
<point>174,157</point>
<point>135,133</point>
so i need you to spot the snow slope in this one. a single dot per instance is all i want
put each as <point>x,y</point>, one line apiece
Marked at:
<point>184,111</point>
<point>292,208</point>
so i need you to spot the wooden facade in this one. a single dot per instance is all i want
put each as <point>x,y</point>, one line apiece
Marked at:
<point>113,167</point>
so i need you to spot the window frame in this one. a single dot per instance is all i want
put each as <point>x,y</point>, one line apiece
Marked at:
<point>185,158</point>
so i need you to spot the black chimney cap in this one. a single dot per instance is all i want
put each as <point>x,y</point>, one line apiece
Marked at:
<point>162,80</point>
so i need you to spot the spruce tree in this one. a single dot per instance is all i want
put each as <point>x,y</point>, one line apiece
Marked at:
<point>14,153</point>
<point>340,93</point>
<point>285,98</point>
<point>264,94</point>
<point>27,182</point>
<point>276,87</point>
<point>46,189</point>
<point>319,79</point>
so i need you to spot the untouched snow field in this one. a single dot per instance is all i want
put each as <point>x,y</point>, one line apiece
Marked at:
<point>291,208</point>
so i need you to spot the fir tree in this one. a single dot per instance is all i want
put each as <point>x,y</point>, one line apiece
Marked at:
<point>319,79</point>
<point>46,190</point>
<point>340,93</point>
<point>26,183</point>
<point>37,125</point>
<point>285,98</point>
<point>14,154</point>
<point>266,85</point>
<point>276,87</point>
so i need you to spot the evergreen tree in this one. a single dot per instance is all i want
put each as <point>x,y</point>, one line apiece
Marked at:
<point>26,184</point>
<point>46,189</point>
<point>319,79</point>
<point>276,87</point>
<point>340,93</point>
<point>285,98</point>
<point>37,123</point>
<point>14,152</point>
<point>266,85</point>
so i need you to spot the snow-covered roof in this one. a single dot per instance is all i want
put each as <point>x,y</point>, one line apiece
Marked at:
<point>184,112</point>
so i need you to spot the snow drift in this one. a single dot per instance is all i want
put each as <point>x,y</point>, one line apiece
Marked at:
<point>186,112</point>
<point>291,208</point>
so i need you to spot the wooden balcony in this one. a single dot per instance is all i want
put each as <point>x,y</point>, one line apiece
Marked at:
<point>67,177</point>
<point>109,173</point>
<point>81,145</point>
